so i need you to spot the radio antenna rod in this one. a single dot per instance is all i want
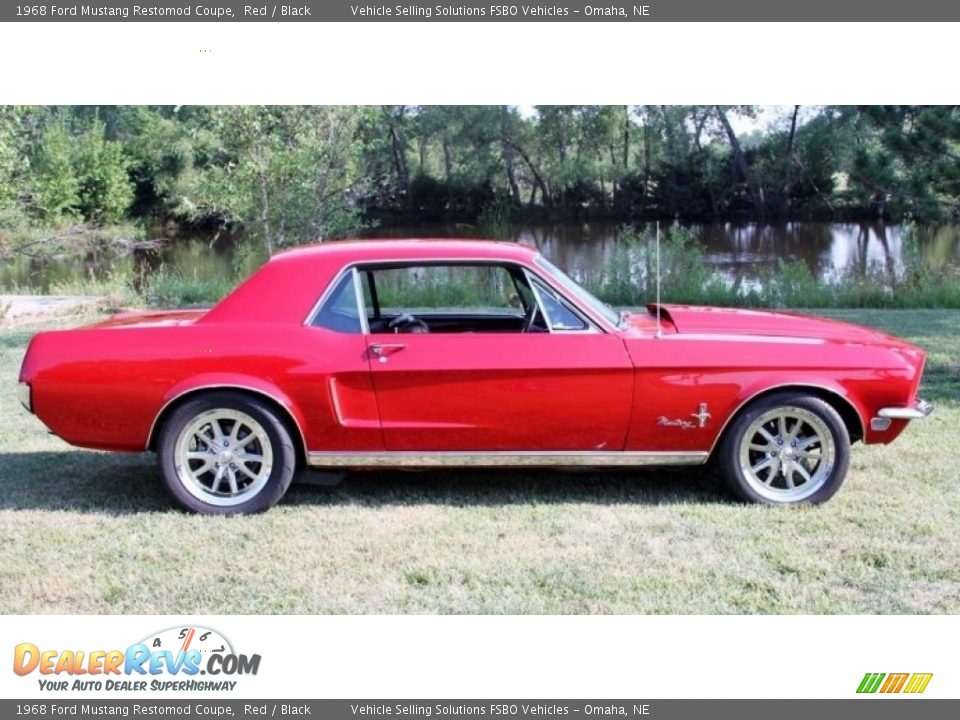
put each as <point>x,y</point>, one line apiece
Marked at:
<point>659,328</point>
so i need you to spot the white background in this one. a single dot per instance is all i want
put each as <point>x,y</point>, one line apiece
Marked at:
<point>516,63</point>
<point>533,657</point>
<point>524,64</point>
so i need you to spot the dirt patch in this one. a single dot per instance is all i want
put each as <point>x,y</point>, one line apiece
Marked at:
<point>16,309</point>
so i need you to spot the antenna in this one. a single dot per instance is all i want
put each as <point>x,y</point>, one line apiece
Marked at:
<point>659,333</point>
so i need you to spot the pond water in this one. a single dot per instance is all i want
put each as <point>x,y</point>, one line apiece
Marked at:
<point>738,251</point>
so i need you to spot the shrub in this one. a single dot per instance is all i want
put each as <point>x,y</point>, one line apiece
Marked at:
<point>629,279</point>
<point>172,289</point>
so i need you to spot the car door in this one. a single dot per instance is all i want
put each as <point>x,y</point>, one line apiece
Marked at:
<point>339,402</point>
<point>562,388</point>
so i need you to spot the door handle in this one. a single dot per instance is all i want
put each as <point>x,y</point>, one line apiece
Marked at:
<point>382,351</point>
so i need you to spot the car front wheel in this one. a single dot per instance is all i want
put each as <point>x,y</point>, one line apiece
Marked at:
<point>225,453</point>
<point>786,449</point>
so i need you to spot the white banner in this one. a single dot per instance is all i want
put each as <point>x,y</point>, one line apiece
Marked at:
<point>482,657</point>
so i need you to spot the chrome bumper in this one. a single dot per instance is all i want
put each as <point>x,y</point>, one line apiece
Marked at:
<point>920,410</point>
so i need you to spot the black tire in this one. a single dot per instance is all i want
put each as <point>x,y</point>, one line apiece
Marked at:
<point>734,452</point>
<point>189,495</point>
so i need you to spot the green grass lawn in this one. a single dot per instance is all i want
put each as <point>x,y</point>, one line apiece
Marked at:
<point>89,532</point>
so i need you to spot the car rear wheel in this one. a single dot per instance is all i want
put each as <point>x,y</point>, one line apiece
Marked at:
<point>225,453</point>
<point>786,449</point>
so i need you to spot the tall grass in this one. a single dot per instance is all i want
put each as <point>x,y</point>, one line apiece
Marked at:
<point>629,279</point>
<point>114,288</point>
<point>170,288</point>
<point>162,289</point>
<point>494,219</point>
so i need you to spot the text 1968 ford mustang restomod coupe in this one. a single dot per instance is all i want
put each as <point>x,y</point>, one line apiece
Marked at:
<point>454,353</point>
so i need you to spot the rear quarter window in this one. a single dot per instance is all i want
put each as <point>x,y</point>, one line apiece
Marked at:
<point>340,311</point>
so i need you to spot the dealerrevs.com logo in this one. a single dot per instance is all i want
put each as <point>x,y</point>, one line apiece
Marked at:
<point>172,659</point>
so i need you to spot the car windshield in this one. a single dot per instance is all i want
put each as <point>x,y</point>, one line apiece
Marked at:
<point>571,285</point>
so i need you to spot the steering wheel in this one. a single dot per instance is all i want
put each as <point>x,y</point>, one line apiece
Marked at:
<point>407,323</point>
<point>531,317</point>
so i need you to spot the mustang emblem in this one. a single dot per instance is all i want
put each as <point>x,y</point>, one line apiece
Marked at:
<point>702,415</point>
<point>667,422</point>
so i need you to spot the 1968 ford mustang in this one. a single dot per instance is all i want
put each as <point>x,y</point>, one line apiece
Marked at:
<point>452,353</point>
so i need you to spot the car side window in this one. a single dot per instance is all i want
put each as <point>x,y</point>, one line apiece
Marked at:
<point>447,288</point>
<point>340,311</point>
<point>560,316</point>
<point>445,297</point>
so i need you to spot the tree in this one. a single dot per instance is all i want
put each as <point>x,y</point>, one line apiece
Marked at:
<point>283,175</point>
<point>740,163</point>
<point>288,174</point>
<point>104,191</point>
<point>13,164</point>
<point>908,158</point>
<point>55,187</point>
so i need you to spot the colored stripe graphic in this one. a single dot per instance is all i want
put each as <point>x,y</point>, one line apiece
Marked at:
<point>870,682</point>
<point>894,683</point>
<point>918,683</point>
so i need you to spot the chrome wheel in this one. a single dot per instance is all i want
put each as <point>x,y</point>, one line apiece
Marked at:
<point>787,454</point>
<point>223,457</point>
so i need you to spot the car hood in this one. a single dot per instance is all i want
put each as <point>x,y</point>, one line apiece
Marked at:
<point>155,318</point>
<point>695,320</point>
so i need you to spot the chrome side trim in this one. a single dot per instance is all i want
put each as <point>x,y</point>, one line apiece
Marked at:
<point>919,411</point>
<point>411,458</point>
<point>224,386</point>
<point>781,386</point>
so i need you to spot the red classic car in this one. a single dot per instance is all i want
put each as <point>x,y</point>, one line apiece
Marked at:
<point>439,352</point>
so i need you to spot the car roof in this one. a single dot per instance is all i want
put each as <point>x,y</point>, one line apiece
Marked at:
<point>285,288</point>
<point>374,250</point>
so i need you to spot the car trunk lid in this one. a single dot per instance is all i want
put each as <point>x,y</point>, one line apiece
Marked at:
<point>152,318</point>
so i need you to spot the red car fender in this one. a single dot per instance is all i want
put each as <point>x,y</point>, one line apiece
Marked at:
<point>230,381</point>
<point>834,393</point>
